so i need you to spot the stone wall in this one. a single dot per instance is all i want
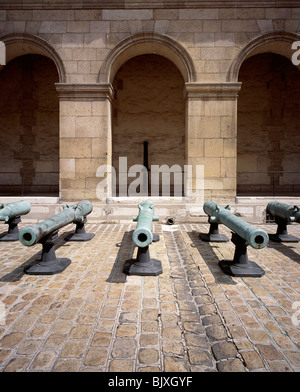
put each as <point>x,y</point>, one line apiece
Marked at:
<point>29,127</point>
<point>90,42</point>
<point>148,106</point>
<point>268,129</point>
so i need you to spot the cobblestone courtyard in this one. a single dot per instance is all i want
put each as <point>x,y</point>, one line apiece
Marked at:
<point>191,318</point>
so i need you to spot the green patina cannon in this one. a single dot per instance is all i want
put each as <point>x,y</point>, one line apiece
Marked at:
<point>283,214</point>
<point>243,234</point>
<point>45,233</point>
<point>142,235</point>
<point>10,214</point>
<point>142,238</point>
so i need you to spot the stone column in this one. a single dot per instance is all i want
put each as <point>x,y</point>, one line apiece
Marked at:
<point>85,137</point>
<point>211,133</point>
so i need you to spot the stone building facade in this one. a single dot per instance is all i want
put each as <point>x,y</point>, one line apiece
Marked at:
<point>195,84</point>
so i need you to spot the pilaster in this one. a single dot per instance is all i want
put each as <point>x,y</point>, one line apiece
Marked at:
<point>85,137</point>
<point>211,114</point>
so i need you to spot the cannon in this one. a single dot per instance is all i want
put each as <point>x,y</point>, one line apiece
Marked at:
<point>10,213</point>
<point>46,233</point>
<point>213,234</point>
<point>243,234</point>
<point>284,215</point>
<point>142,237</point>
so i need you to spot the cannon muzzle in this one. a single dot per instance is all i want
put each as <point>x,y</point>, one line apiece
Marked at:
<point>31,235</point>
<point>142,235</point>
<point>257,238</point>
<point>11,210</point>
<point>284,211</point>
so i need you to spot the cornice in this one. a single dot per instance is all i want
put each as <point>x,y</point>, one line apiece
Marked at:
<point>227,90</point>
<point>144,4</point>
<point>84,92</point>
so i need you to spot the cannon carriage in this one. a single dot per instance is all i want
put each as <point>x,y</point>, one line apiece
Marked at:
<point>46,233</point>
<point>142,237</point>
<point>11,213</point>
<point>243,234</point>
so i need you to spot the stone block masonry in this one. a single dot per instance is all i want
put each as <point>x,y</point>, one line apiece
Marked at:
<point>92,44</point>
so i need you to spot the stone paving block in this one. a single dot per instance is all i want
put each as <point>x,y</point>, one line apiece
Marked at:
<point>148,356</point>
<point>28,347</point>
<point>171,332</point>
<point>101,339</point>
<point>66,366</point>
<point>252,360</point>
<point>173,364</point>
<point>232,365</point>
<point>280,366</point>
<point>216,332</point>
<point>17,364</point>
<point>124,348</point>
<point>95,357</point>
<point>121,366</point>
<point>43,360</point>
<point>55,341</point>
<point>12,339</point>
<point>73,349</point>
<point>224,350</point>
<point>192,318</point>
<point>126,331</point>
<point>200,357</point>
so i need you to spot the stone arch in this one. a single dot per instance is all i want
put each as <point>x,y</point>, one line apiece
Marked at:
<point>21,44</point>
<point>267,160</point>
<point>277,43</point>
<point>146,44</point>
<point>30,116</point>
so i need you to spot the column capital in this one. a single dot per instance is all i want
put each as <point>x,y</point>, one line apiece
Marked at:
<point>226,90</point>
<point>84,92</point>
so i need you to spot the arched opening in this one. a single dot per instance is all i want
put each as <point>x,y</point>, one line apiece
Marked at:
<point>29,127</point>
<point>148,125</point>
<point>147,43</point>
<point>268,136</point>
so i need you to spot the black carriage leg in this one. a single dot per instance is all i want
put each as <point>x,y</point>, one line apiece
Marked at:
<point>143,265</point>
<point>282,232</point>
<point>240,266</point>
<point>80,234</point>
<point>13,230</point>
<point>213,235</point>
<point>49,264</point>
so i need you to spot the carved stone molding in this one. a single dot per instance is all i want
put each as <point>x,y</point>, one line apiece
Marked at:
<point>84,92</point>
<point>18,44</point>
<point>147,43</point>
<point>142,4</point>
<point>212,90</point>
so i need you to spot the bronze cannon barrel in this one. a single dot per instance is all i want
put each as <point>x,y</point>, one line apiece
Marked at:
<point>11,210</point>
<point>257,238</point>
<point>284,211</point>
<point>31,235</point>
<point>142,235</point>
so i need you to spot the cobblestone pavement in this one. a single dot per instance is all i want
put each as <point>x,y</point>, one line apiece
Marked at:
<point>191,318</point>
